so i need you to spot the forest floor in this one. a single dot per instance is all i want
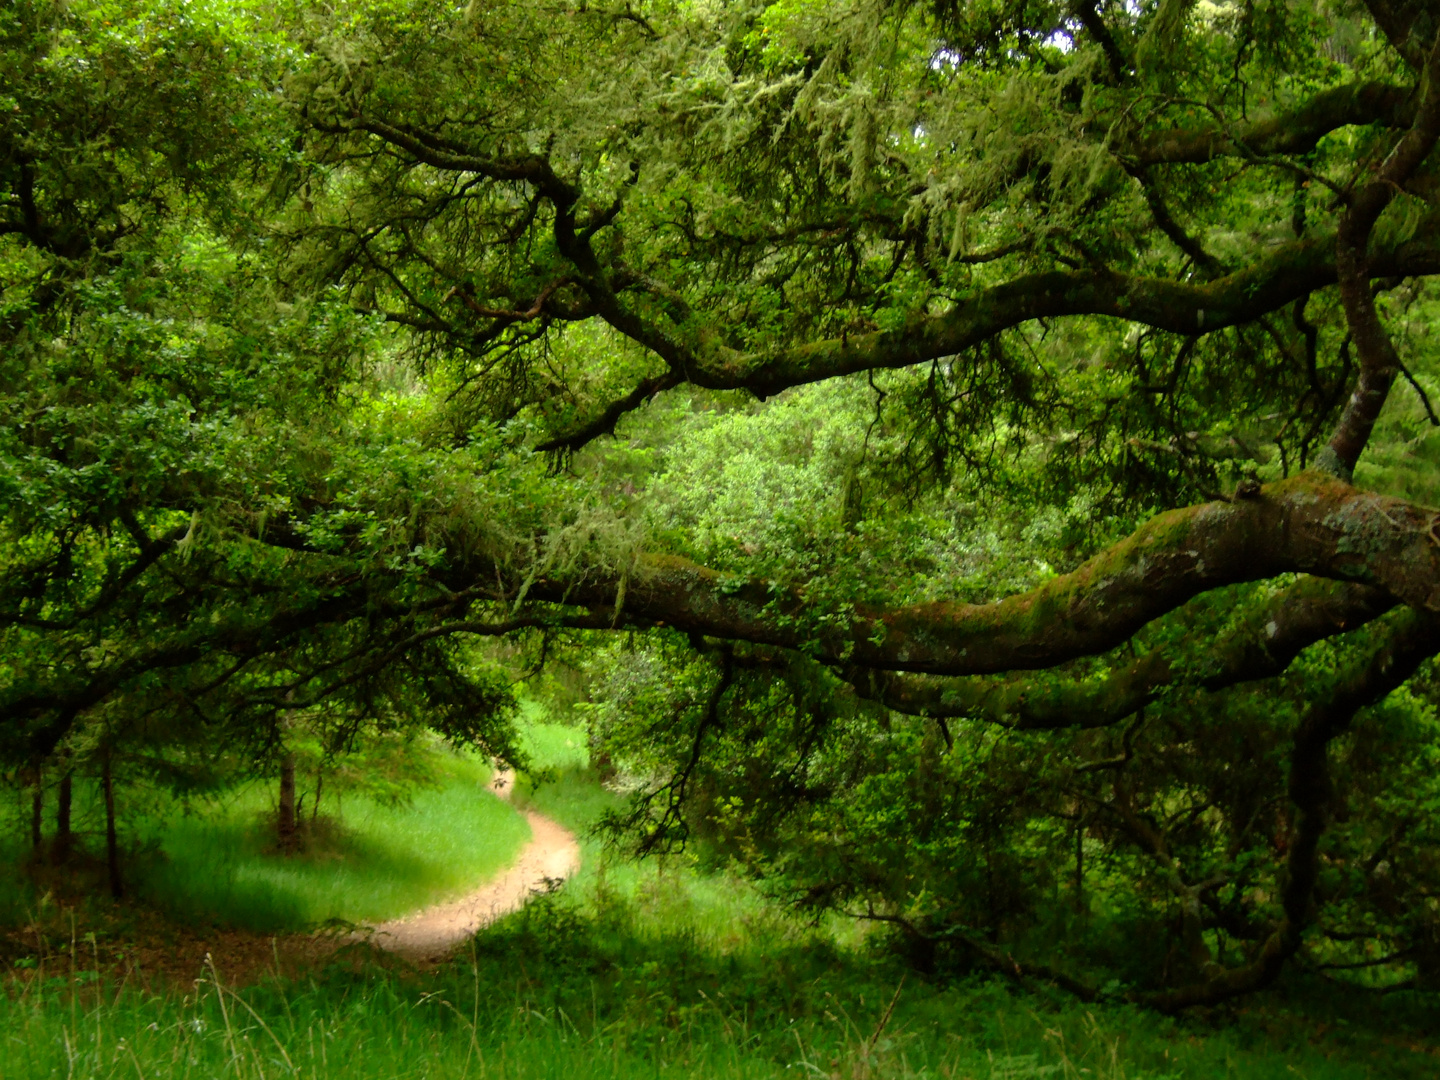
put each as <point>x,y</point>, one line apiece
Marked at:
<point>74,928</point>
<point>660,969</point>
<point>431,934</point>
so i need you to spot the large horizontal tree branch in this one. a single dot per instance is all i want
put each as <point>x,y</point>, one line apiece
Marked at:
<point>1191,308</point>
<point>1267,285</point>
<point>1310,524</point>
<point>1293,132</point>
<point>1270,284</point>
<point>1261,647</point>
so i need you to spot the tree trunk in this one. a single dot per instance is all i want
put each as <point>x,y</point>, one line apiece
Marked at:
<point>285,827</point>
<point>37,809</point>
<point>64,839</point>
<point>112,844</point>
<point>315,806</point>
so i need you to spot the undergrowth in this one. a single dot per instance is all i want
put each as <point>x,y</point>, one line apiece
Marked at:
<point>605,985</point>
<point>661,971</point>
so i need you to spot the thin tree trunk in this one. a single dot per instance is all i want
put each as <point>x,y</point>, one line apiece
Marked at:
<point>37,809</point>
<point>315,806</point>
<point>285,827</point>
<point>64,839</point>
<point>112,844</point>
<point>1079,866</point>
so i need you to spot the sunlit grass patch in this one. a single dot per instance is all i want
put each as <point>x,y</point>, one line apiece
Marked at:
<point>550,747</point>
<point>371,861</point>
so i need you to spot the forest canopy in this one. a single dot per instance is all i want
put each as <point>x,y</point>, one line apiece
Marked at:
<point>967,463</point>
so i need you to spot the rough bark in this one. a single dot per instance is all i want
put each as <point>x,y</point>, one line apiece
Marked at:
<point>1309,524</point>
<point>64,840</point>
<point>1309,611</point>
<point>287,833</point>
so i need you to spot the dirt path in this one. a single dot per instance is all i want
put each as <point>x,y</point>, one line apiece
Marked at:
<point>430,934</point>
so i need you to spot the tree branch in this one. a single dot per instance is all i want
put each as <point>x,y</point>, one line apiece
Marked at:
<point>1094,24</point>
<point>1410,25</point>
<point>1261,647</point>
<point>1309,524</point>
<point>1179,307</point>
<point>1294,132</point>
<point>604,424</point>
<point>1379,362</point>
<point>1410,637</point>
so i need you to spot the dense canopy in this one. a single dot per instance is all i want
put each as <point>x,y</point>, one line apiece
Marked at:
<point>965,462</point>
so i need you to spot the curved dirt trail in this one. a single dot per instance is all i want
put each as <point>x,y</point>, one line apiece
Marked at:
<point>430,934</point>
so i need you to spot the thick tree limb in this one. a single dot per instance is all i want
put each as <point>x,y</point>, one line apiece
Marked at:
<point>1294,132</point>
<point>1308,611</point>
<point>1379,362</point>
<point>1286,275</point>
<point>1269,284</point>
<point>1310,524</point>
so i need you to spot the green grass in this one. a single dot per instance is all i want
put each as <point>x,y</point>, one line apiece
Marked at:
<point>662,971</point>
<point>719,911</point>
<point>628,980</point>
<point>373,862</point>
<point>551,747</point>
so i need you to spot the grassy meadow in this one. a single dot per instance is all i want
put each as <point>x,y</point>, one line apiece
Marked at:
<point>373,861</point>
<point>662,971</point>
<point>366,858</point>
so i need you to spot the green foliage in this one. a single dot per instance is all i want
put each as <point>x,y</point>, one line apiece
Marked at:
<point>681,975</point>
<point>1041,841</point>
<point>311,320</point>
